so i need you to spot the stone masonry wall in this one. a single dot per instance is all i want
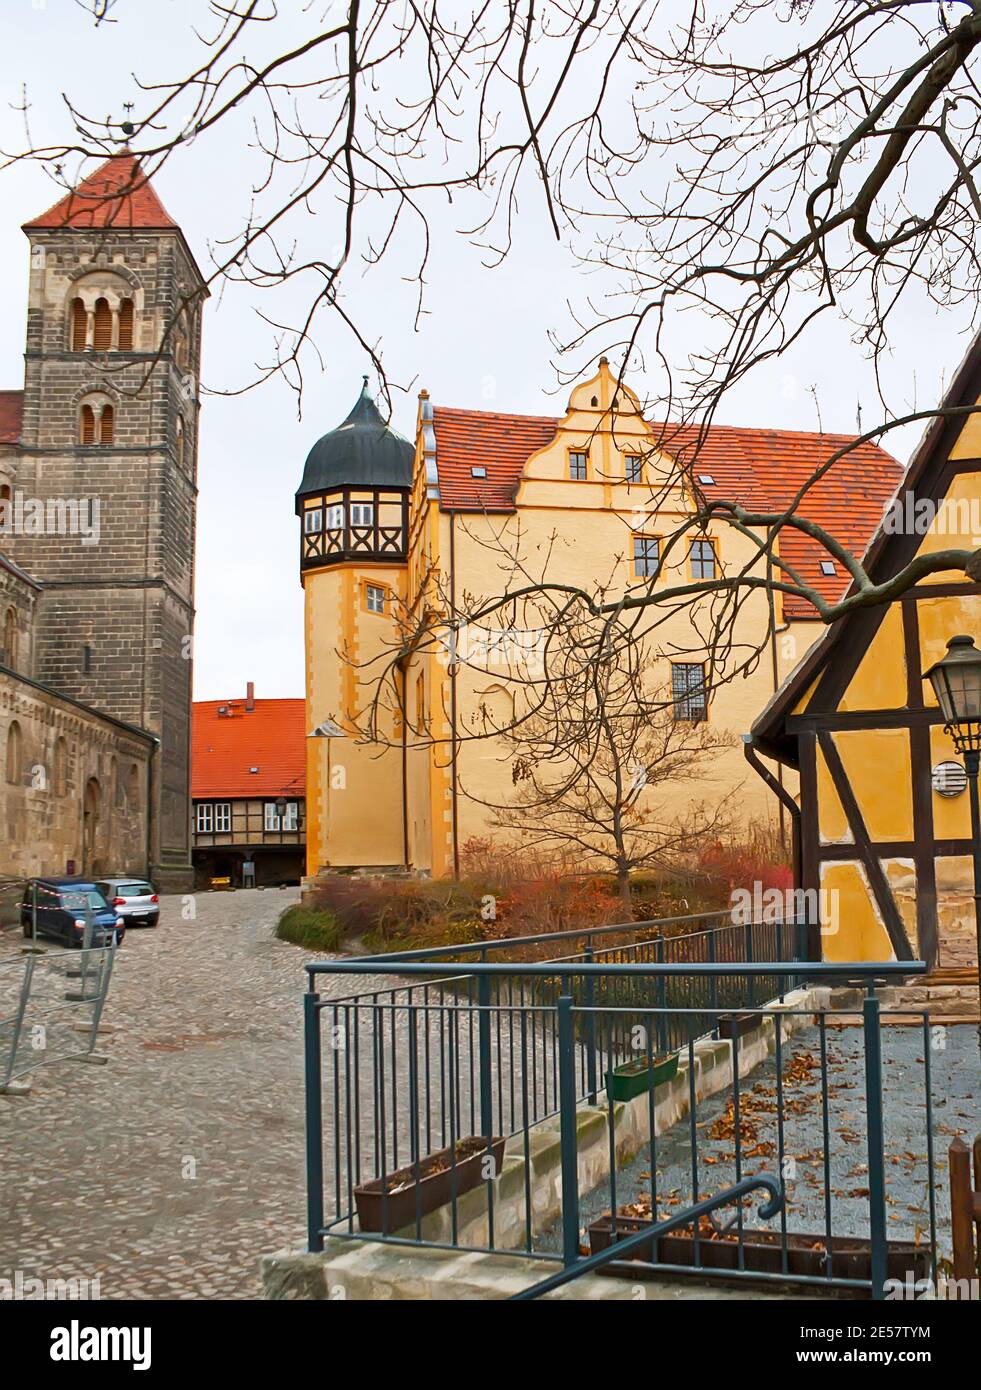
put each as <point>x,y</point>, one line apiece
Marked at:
<point>115,621</point>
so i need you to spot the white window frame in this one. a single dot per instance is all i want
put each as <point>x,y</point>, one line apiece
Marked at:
<point>370,589</point>
<point>271,817</point>
<point>362,513</point>
<point>204,818</point>
<point>291,816</point>
<point>223,817</point>
<point>335,517</point>
<point>313,521</point>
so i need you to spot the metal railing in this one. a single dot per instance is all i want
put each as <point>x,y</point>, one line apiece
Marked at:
<point>428,1078</point>
<point>51,1001</point>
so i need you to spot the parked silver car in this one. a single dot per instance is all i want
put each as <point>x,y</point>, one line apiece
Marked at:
<point>134,899</point>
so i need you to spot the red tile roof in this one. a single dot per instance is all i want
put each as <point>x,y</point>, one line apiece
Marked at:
<point>114,195</point>
<point>11,416</point>
<point>764,469</point>
<point>271,737</point>
<point>759,468</point>
<point>500,443</point>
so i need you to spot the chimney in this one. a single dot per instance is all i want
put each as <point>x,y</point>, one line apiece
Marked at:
<point>250,696</point>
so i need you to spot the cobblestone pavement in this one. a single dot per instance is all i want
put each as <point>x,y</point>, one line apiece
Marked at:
<point>204,1078</point>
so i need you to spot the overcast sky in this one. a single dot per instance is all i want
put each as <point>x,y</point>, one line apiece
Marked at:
<point>483,343</point>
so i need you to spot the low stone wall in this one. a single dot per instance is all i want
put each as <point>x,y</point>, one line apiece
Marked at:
<point>532,1164</point>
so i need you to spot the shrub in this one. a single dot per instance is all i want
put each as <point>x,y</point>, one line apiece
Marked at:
<point>315,928</point>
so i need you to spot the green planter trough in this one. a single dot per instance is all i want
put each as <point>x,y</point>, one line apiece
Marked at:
<point>635,1078</point>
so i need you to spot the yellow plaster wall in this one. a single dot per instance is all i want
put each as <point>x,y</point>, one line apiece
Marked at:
<point>354,798</point>
<point>851,926</point>
<point>880,681</point>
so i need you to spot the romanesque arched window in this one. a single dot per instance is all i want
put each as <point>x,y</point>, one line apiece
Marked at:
<point>102,326</point>
<point>15,754</point>
<point>179,441</point>
<point>96,421</point>
<point>60,777</point>
<point>79,322</point>
<point>10,638</point>
<point>126,325</point>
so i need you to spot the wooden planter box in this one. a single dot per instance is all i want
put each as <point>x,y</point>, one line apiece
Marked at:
<point>632,1079</point>
<point>419,1188</point>
<point>851,1257</point>
<point>737,1025</point>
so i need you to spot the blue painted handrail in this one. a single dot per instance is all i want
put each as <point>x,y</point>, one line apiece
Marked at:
<point>619,1249</point>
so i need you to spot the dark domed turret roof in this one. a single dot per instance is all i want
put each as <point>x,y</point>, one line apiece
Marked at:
<point>363,452</point>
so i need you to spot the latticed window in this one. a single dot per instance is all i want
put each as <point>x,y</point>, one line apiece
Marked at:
<point>291,815</point>
<point>126,325</point>
<point>578,464</point>
<point>79,325</point>
<point>688,691</point>
<point>102,326</point>
<point>634,467</point>
<point>702,557</point>
<point>204,818</point>
<point>646,551</point>
<point>374,598</point>
<point>223,817</point>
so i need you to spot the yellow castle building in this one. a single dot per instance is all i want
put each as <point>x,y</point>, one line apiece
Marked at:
<point>399,536</point>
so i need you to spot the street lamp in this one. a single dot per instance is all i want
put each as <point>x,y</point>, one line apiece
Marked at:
<point>956,681</point>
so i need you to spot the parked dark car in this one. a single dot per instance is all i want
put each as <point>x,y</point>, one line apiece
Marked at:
<point>63,905</point>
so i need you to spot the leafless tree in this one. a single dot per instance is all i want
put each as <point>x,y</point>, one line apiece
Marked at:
<point>601,767</point>
<point>758,164</point>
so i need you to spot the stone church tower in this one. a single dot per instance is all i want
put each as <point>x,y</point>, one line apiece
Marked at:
<point>109,442</point>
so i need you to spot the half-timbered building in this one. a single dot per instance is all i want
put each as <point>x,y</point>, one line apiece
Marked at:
<point>884,820</point>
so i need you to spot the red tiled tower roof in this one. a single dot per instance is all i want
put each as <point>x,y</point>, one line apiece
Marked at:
<point>270,737</point>
<point>11,416</point>
<point>761,469</point>
<point>115,195</point>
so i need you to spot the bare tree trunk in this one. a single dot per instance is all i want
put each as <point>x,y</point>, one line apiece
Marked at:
<point>623,882</point>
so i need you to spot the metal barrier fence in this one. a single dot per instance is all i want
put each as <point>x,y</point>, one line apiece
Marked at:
<point>51,1003</point>
<point>425,1084</point>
